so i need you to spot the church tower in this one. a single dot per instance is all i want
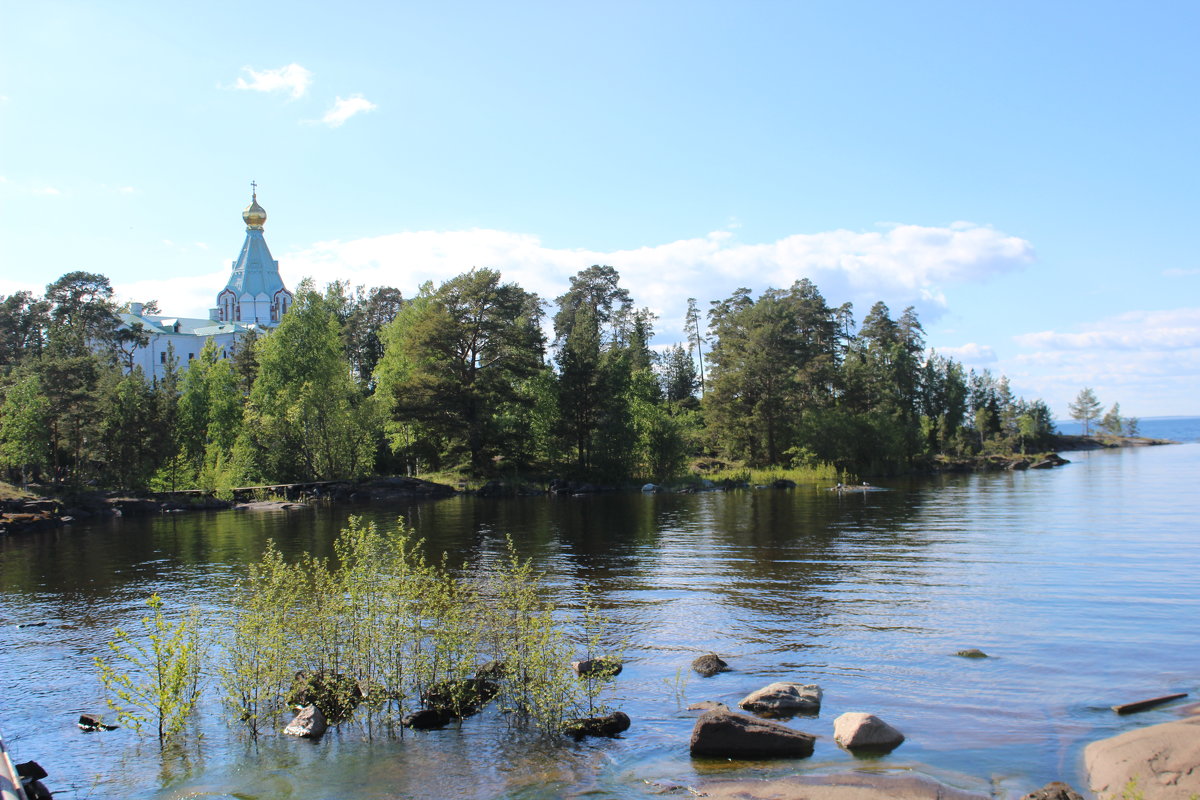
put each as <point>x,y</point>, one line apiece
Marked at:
<point>255,294</point>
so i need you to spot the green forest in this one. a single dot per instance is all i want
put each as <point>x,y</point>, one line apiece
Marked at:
<point>481,379</point>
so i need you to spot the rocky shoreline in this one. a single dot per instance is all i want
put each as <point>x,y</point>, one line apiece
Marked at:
<point>33,513</point>
<point>1156,762</point>
<point>20,514</point>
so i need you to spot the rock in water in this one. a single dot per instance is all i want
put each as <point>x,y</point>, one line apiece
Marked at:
<point>972,653</point>
<point>611,725</point>
<point>602,667</point>
<point>460,698</point>
<point>337,695</point>
<point>724,734</point>
<point>708,705</point>
<point>854,729</point>
<point>708,665</point>
<point>1162,760</point>
<point>1054,791</point>
<point>427,718</point>
<point>308,723</point>
<point>92,722</point>
<point>784,699</point>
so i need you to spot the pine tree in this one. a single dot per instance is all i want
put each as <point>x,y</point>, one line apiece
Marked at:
<point>1085,409</point>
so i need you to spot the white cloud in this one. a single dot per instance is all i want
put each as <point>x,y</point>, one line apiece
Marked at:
<point>1177,329</point>
<point>344,109</point>
<point>293,79</point>
<point>971,354</point>
<point>187,296</point>
<point>905,265</point>
<point>1180,273</point>
<point>48,191</point>
<point>1148,361</point>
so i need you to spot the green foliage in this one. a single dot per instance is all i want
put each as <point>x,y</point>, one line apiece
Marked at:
<point>1085,409</point>
<point>134,440</point>
<point>455,381</point>
<point>155,678</point>
<point>306,419</point>
<point>455,357</point>
<point>25,428</point>
<point>387,627</point>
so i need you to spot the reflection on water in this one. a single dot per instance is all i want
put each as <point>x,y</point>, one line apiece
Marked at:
<point>1075,580</point>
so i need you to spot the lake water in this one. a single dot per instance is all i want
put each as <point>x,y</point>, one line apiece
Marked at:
<point>1078,581</point>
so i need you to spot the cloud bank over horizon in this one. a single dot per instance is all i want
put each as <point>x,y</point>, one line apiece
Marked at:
<point>901,265</point>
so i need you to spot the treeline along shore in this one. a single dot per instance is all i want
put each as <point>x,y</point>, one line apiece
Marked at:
<point>465,384</point>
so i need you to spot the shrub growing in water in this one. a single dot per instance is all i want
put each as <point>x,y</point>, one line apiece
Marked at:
<point>392,630</point>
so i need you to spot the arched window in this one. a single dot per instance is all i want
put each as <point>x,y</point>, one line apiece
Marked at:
<point>225,303</point>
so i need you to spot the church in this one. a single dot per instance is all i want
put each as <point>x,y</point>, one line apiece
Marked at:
<point>254,298</point>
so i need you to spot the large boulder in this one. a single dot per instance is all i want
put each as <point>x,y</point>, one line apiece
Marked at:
<point>708,665</point>
<point>309,723</point>
<point>1161,761</point>
<point>854,730</point>
<point>724,734</point>
<point>783,699</point>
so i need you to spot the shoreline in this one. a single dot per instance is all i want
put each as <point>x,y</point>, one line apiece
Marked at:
<point>38,512</point>
<point>1136,763</point>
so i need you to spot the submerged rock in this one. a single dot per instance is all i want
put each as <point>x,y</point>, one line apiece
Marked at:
<point>724,734</point>
<point>609,726</point>
<point>855,729</point>
<point>89,723</point>
<point>784,699</point>
<point>1054,791</point>
<point>461,698</point>
<point>845,786</point>
<point>426,719</point>
<point>709,665</point>
<point>708,705</point>
<point>602,667</point>
<point>308,723</point>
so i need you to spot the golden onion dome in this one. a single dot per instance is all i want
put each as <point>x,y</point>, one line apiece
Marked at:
<point>254,215</point>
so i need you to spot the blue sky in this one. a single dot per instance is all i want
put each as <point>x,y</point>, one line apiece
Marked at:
<point>1024,173</point>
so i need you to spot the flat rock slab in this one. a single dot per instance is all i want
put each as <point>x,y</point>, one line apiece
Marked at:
<point>724,734</point>
<point>270,505</point>
<point>783,699</point>
<point>849,786</point>
<point>1161,758</point>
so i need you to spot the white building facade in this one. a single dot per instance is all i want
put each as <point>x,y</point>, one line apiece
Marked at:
<point>253,299</point>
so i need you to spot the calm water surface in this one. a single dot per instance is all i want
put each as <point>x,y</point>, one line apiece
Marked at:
<point>1079,581</point>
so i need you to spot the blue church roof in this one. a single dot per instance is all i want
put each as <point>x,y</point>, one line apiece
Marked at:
<point>255,273</point>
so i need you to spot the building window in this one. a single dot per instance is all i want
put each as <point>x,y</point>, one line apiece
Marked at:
<point>162,357</point>
<point>191,356</point>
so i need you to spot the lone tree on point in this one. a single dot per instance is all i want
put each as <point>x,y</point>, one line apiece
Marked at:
<point>1085,408</point>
